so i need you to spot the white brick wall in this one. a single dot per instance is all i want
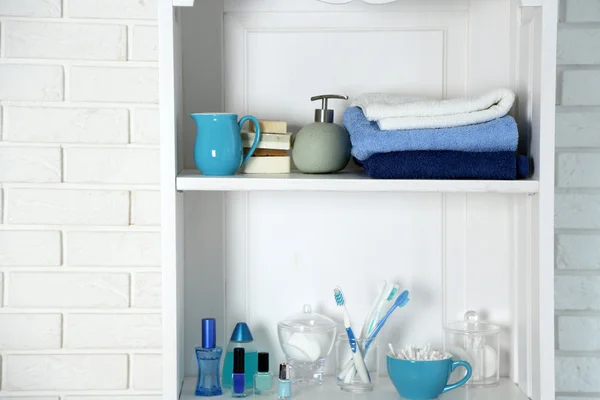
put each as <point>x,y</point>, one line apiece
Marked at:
<point>147,290</point>
<point>68,290</point>
<point>80,275</point>
<point>65,372</point>
<point>578,202</point>
<point>31,8</point>
<point>66,125</point>
<point>146,373</point>
<point>30,164</point>
<point>145,126</point>
<point>145,43</point>
<point>114,84</point>
<point>32,82</point>
<point>65,40</point>
<point>145,208</point>
<point>111,165</point>
<point>113,248</point>
<point>119,331</point>
<point>30,331</point>
<point>66,207</point>
<point>35,248</point>
<point>117,9</point>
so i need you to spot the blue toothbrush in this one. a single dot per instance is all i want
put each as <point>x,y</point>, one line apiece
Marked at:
<point>359,362</point>
<point>400,302</point>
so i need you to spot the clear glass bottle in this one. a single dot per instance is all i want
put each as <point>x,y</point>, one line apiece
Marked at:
<point>284,386</point>
<point>209,359</point>
<point>263,379</point>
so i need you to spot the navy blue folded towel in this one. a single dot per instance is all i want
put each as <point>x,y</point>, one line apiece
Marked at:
<point>502,165</point>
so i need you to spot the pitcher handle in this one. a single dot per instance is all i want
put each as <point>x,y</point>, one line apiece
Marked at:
<point>256,137</point>
<point>464,380</point>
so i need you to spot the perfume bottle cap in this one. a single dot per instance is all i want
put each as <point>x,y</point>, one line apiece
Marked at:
<point>209,333</point>
<point>284,372</point>
<point>263,362</point>
<point>241,333</point>
<point>239,355</point>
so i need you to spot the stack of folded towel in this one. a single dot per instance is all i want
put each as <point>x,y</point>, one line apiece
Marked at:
<point>397,137</point>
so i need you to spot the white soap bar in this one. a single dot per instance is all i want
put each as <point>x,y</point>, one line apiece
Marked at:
<point>304,347</point>
<point>267,165</point>
<point>491,361</point>
<point>273,141</point>
<point>267,126</point>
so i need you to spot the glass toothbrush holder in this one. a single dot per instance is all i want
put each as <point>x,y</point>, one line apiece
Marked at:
<point>346,376</point>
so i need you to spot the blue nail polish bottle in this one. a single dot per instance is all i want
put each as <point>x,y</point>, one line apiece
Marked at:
<point>238,378</point>
<point>284,388</point>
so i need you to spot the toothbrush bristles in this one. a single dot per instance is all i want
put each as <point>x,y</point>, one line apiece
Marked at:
<point>393,293</point>
<point>339,296</point>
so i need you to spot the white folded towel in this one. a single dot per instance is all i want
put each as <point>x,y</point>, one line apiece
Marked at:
<point>393,112</point>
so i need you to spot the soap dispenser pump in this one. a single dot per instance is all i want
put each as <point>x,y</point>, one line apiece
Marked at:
<point>322,147</point>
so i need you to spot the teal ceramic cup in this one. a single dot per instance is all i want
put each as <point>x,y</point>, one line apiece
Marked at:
<point>218,150</point>
<point>424,380</point>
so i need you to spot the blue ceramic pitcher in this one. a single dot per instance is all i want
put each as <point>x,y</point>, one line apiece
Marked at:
<point>218,150</point>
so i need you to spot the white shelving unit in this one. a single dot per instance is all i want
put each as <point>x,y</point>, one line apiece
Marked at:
<point>256,248</point>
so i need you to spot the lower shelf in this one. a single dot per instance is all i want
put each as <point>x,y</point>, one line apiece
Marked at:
<point>506,390</point>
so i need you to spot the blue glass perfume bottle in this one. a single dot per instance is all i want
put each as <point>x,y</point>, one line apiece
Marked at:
<point>209,360</point>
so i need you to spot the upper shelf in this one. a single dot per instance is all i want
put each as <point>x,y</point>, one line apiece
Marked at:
<point>192,180</point>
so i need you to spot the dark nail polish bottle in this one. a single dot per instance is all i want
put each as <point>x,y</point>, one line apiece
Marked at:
<point>238,379</point>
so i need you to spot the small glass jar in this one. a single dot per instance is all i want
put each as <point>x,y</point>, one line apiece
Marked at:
<point>346,375</point>
<point>477,342</point>
<point>306,340</point>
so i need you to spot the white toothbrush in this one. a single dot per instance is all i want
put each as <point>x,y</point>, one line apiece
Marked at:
<point>382,290</point>
<point>390,296</point>
<point>359,362</point>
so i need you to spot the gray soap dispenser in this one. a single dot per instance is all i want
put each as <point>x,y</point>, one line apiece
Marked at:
<point>322,147</point>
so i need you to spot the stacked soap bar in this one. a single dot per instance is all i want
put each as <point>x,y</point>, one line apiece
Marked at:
<point>270,157</point>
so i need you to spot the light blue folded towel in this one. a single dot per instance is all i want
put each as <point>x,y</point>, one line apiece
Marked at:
<point>367,139</point>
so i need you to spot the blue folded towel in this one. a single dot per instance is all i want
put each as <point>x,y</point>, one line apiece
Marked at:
<point>502,165</point>
<point>367,139</point>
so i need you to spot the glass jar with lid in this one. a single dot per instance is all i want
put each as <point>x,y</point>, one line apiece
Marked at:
<point>477,342</point>
<point>307,339</point>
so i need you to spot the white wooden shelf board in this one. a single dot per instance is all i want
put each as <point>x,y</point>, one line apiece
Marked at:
<point>183,3</point>
<point>192,180</point>
<point>505,390</point>
<point>524,3</point>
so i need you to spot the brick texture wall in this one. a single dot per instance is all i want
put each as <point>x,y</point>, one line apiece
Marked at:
<point>79,222</point>
<point>578,202</point>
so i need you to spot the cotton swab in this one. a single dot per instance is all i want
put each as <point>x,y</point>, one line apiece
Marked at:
<point>391,346</point>
<point>419,354</point>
